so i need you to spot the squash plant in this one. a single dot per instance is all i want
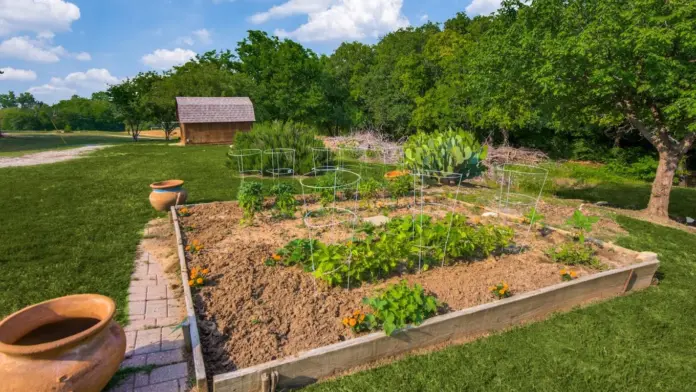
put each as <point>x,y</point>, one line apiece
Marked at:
<point>453,151</point>
<point>400,305</point>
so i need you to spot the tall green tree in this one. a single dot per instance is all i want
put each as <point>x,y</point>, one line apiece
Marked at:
<point>130,101</point>
<point>605,63</point>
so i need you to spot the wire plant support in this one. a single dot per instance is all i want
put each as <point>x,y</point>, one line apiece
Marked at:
<point>282,162</point>
<point>249,162</point>
<point>521,187</point>
<point>336,218</point>
<point>434,192</point>
<point>323,160</point>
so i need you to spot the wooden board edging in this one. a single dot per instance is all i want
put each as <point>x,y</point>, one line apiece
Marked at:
<point>191,334</point>
<point>308,367</point>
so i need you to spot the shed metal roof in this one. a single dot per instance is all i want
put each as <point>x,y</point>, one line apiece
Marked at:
<point>213,110</point>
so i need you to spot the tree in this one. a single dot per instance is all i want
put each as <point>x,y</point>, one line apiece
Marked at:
<point>603,63</point>
<point>8,100</point>
<point>129,100</point>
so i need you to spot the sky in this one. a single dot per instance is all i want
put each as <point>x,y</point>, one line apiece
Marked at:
<point>57,48</point>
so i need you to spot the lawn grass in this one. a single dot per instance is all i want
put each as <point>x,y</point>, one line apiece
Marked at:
<point>21,143</point>
<point>640,342</point>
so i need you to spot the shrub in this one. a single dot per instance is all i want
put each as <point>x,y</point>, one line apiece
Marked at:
<point>574,253</point>
<point>285,203</point>
<point>250,198</point>
<point>400,305</point>
<point>400,186</point>
<point>454,151</point>
<point>269,135</point>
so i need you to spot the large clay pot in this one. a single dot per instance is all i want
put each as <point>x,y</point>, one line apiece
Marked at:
<point>65,344</point>
<point>167,193</point>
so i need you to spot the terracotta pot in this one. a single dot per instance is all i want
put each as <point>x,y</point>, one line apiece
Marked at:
<point>167,193</point>
<point>65,344</point>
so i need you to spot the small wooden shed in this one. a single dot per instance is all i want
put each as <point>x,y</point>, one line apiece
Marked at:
<point>213,120</point>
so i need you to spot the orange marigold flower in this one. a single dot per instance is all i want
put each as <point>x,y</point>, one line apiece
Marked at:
<point>501,291</point>
<point>188,248</point>
<point>573,274</point>
<point>276,257</point>
<point>345,321</point>
<point>355,313</point>
<point>190,282</point>
<point>562,272</point>
<point>352,322</point>
<point>205,271</point>
<point>199,281</point>
<point>362,318</point>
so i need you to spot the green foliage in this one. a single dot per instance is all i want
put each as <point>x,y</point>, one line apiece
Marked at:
<point>277,134</point>
<point>582,224</point>
<point>449,151</point>
<point>400,305</point>
<point>250,198</point>
<point>574,253</point>
<point>296,252</point>
<point>285,203</point>
<point>533,217</point>
<point>400,186</point>
<point>369,190</point>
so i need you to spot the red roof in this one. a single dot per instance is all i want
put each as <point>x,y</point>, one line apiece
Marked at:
<point>213,110</point>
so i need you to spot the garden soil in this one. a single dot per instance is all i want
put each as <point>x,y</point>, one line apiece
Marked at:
<point>250,313</point>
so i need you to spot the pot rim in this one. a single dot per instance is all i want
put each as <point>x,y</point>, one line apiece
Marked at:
<point>11,349</point>
<point>167,184</point>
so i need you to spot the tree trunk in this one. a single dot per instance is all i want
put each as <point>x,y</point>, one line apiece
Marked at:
<point>506,137</point>
<point>662,187</point>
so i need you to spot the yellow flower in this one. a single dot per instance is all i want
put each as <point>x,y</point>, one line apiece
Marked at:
<point>492,288</point>
<point>362,317</point>
<point>205,271</point>
<point>190,282</point>
<point>345,321</point>
<point>276,257</point>
<point>188,248</point>
<point>573,274</point>
<point>355,313</point>
<point>352,322</point>
<point>199,281</point>
<point>563,271</point>
<point>505,286</point>
<point>501,291</point>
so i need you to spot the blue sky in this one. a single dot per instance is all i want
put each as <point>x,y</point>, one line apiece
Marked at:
<point>57,48</point>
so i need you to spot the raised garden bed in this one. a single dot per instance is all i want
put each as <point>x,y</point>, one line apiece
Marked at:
<point>263,326</point>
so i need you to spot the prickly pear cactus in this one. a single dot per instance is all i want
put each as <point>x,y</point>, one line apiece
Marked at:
<point>450,151</point>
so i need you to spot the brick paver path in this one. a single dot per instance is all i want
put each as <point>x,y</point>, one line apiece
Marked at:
<point>152,336</point>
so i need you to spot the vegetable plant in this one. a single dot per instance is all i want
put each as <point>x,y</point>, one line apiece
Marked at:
<point>400,305</point>
<point>369,190</point>
<point>250,198</point>
<point>285,203</point>
<point>533,217</point>
<point>582,224</point>
<point>399,186</point>
<point>574,253</point>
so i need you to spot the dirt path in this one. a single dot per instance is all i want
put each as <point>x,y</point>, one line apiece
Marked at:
<point>44,157</point>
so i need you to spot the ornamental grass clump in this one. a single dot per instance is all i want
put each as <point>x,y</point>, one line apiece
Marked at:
<point>500,290</point>
<point>197,277</point>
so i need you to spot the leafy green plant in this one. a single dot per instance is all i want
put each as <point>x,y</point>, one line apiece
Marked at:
<point>250,198</point>
<point>574,253</point>
<point>285,203</point>
<point>329,184</point>
<point>400,305</point>
<point>369,191</point>
<point>277,134</point>
<point>454,151</point>
<point>296,252</point>
<point>533,217</point>
<point>399,186</point>
<point>582,224</point>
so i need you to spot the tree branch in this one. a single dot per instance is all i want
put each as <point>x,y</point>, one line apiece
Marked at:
<point>687,143</point>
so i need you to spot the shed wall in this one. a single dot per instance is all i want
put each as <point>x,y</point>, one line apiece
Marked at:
<point>212,133</point>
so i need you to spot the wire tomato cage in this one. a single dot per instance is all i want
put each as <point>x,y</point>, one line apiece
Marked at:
<point>521,187</point>
<point>337,194</point>
<point>282,162</point>
<point>248,161</point>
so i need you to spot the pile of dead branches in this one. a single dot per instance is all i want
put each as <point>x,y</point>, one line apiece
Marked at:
<point>524,156</point>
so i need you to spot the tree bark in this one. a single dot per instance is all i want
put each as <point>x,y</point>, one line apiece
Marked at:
<point>662,186</point>
<point>506,137</point>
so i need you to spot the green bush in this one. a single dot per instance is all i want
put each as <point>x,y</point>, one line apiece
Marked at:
<point>285,203</point>
<point>400,305</point>
<point>454,151</point>
<point>270,135</point>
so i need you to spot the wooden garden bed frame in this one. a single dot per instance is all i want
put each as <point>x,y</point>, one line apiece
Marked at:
<point>308,367</point>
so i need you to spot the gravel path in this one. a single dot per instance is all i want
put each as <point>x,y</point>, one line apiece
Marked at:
<point>54,156</point>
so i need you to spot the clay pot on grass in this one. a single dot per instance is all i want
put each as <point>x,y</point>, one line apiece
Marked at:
<point>167,193</point>
<point>65,344</point>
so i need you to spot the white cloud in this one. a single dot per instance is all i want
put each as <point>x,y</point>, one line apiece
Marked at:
<point>203,36</point>
<point>25,48</point>
<point>17,74</point>
<point>482,7</point>
<point>85,83</point>
<point>339,19</point>
<point>424,17</point>
<point>39,16</point>
<point>165,58</point>
<point>83,56</point>
<point>292,7</point>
